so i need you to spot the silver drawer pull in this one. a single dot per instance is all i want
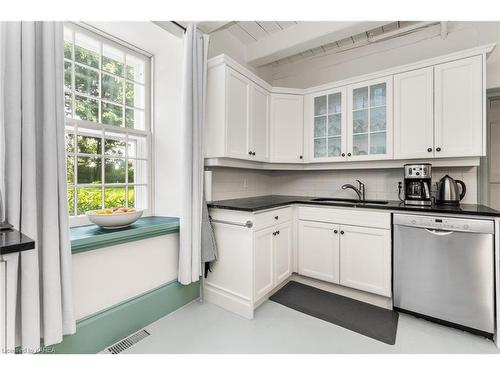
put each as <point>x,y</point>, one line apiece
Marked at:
<point>248,224</point>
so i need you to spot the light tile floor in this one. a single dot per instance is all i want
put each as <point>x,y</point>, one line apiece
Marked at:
<point>206,328</point>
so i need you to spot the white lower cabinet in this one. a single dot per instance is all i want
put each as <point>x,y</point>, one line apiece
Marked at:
<point>319,250</point>
<point>365,259</point>
<point>349,247</point>
<point>282,252</point>
<point>263,241</point>
<point>354,256</point>
<point>252,262</point>
<point>272,258</point>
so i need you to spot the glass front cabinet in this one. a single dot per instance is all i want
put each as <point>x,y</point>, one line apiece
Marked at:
<point>352,123</point>
<point>329,126</point>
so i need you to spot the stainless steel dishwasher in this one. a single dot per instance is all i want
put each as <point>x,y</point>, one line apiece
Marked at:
<point>444,270</point>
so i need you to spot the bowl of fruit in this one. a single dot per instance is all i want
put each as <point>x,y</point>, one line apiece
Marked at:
<point>117,217</point>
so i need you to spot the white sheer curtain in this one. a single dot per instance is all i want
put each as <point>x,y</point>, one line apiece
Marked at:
<point>34,179</point>
<point>195,67</point>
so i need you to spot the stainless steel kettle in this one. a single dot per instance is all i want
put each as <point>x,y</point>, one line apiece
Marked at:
<point>448,191</point>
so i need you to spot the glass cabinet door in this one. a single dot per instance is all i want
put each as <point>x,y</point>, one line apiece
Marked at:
<point>327,132</point>
<point>368,126</point>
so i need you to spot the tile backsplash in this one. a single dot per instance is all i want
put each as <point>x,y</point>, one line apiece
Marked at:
<point>228,183</point>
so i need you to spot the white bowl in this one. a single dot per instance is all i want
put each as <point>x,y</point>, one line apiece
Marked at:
<point>112,221</point>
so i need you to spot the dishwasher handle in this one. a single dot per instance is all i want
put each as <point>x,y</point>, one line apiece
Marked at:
<point>439,232</point>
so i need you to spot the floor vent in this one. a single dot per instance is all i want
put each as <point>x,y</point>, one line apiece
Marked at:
<point>128,342</point>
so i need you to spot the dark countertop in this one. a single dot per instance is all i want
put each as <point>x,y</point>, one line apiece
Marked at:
<point>265,202</point>
<point>13,241</point>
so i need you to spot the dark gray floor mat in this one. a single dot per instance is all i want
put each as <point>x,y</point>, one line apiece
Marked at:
<point>369,320</point>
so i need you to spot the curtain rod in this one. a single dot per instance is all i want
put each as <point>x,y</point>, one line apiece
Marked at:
<point>179,25</point>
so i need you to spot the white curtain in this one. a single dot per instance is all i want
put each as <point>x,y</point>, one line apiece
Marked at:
<point>195,68</point>
<point>34,179</point>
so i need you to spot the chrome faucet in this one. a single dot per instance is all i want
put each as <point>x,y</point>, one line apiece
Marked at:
<point>360,191</point>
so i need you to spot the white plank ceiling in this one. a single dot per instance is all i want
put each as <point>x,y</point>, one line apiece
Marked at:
<point>251,31</point>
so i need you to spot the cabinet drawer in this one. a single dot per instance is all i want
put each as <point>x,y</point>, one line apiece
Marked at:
<point>359,217</point>
<point>273,217</point>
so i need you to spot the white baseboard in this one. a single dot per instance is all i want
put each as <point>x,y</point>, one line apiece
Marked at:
<point>228,301</point>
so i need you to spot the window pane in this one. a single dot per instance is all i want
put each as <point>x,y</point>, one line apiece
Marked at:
<point>88,199</point>
<point>112,88</point>
<point>377,119</point>
<point>320,105</point>
<point>112,60</point>
<point>334,103</point>
<point>138,197</point>
<point>134,118</point>
<point>360,144</point>
<point>135,69</point>
<point>360,98</point>
<point>334,147</point>
<point>114,197</point>
<point>86,50</point>
<point>89,144</point>
<point>89,170</point>
<point>134,95</point>
<point>137,171</point>
<point>137,147</point>
<point>131,196</point>
<point>320,127</point>
<point>115,147</point>
<point>377,143</point>
<point>86,109</point>
<point>71,200</point>
<point>70,142</point>
<point>360,121</point>
<point>68,71</point>
<point>70,169</point>
<point>68,103</point>
<point>86,80</point>
<point>112,114</point>
<point>114,171</point>
<point>320,148</point>
<point>377,95</point>
<point>68,43</point>
<point>334,125</point>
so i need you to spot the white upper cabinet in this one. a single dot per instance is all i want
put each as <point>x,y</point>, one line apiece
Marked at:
<point>287,138</point>
<point>458,93</point>
<point>238,93</point>
<point>414,114</point>
<point>369,123</point>
<point>259,123</point>
<point>327,126</point>
<point>430,109</point>
<point>237,116</point>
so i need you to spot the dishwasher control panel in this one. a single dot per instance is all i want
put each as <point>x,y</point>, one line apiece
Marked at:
<point>445,223</point>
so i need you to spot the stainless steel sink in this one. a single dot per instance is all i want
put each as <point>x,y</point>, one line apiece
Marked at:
<point>366,201</point>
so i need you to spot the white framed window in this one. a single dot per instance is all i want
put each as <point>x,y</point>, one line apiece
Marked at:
<point>108,133</point>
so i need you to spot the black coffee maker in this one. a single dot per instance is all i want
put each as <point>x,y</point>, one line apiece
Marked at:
<point>418,184</point>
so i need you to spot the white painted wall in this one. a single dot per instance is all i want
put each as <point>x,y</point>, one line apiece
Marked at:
<point>229,183</point>
<point>382,55</point>
<point>108,276</point>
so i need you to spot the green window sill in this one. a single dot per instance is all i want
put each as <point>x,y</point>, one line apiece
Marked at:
<point>91,237</point>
